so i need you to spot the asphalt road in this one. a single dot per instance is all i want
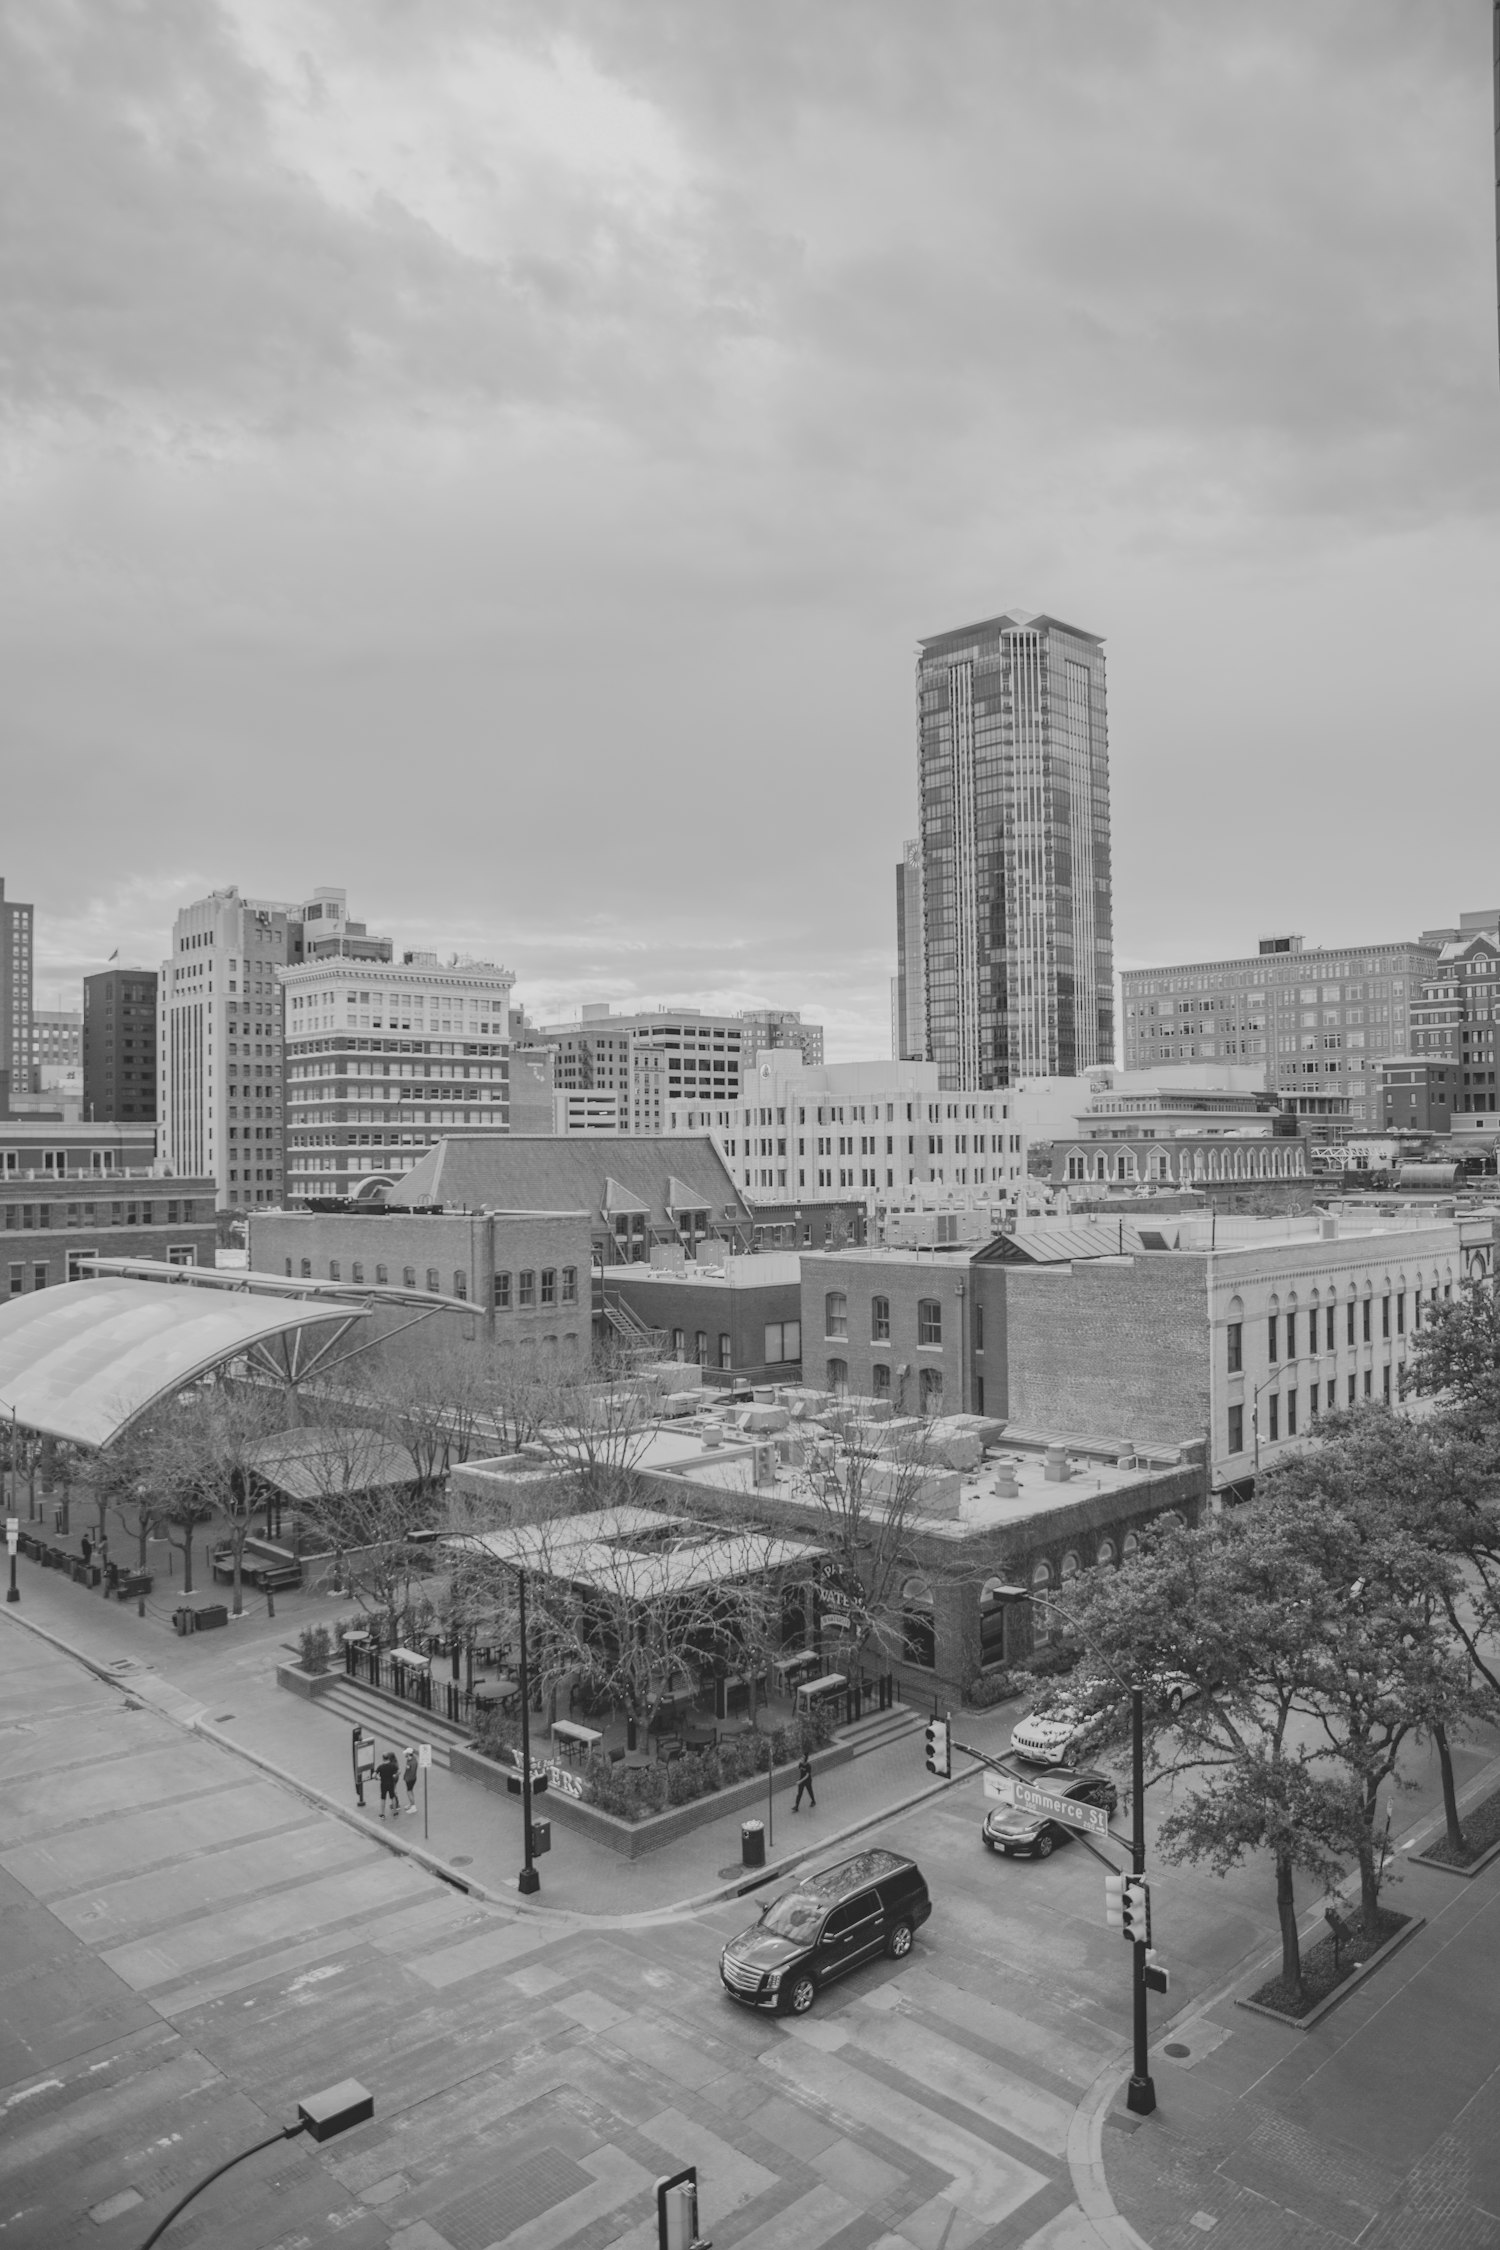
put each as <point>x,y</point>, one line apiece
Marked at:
<point>187,1946</point>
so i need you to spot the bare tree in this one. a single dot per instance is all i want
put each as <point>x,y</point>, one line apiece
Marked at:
<point>865,1505</point>
<point>206,1443</point>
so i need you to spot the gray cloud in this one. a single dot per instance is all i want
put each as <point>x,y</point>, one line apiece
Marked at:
<point>500,456</point>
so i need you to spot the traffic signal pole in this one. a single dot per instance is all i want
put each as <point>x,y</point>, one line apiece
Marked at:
<point>1141,2095</point>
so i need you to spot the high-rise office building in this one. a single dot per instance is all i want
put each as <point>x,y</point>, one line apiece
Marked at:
<point>1015,851</point>
<point>16,984</point>
<point>119,1045</point>
<point>384,1057</point>
<point>220,1099</point>
<point>56,1047</point>
<point>908,986</point>
<point>663,1055</point>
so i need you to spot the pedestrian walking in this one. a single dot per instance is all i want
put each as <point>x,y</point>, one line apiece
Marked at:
<point>804,1781</point>
<point>388,1774</point>
<point>409,1774</point>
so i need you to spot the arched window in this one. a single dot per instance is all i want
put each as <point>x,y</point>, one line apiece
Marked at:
<point>992,1608</point>
<point>1100,1167</point>
<point>1106,1553</point>
<point>880,1320</point>
<point>835,1313</point>
<point>1075,1166</point>
<point>1069,1566</point>
<point>1041,1614</point>
<point>880,1380</point>
<point>1129,1546</point>
<point>930,1321</point>
<point>918,1627</point>
<point>838,1377</point>
<point>930,1390</point>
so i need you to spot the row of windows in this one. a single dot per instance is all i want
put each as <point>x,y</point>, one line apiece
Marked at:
<point>836,1318</point>
<point>929,1383</point>
<point>30,1217</point>
<point>1358,1326</point>
<point>1322,1398</point>
<point>558,1286</point>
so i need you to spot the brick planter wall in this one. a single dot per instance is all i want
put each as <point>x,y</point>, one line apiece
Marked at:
<point>632,1839</point>
<point>309,1685</point>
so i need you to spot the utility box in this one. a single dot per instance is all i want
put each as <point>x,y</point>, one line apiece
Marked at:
<point>541,1837</point>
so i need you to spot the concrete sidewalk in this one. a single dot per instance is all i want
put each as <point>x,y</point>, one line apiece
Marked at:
<point>224,1684</point>
<point>1380,2125</point>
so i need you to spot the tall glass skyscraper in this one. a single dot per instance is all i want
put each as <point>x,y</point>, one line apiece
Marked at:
<point>1014,780</point>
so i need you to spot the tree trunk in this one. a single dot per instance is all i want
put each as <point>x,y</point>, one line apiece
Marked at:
<point>239,1596</point>
<point>1456,1842</point>
<point>1369,1888</point>
<point>187,1561</point>
<point>143,1534</point>
<point>1286,1914</point>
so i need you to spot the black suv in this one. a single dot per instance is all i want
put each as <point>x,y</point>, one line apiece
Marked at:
<point>866,1905</point>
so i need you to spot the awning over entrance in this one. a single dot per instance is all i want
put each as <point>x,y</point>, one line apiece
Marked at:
<point>83,1361</point>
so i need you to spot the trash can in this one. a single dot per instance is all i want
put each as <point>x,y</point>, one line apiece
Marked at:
<point>212,1613</point>
<point>752,1843</point>
<point>541,1838</point>
<point>184,1619</point>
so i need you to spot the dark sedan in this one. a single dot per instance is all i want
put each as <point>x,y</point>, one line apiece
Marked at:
<point>1023,1834</point>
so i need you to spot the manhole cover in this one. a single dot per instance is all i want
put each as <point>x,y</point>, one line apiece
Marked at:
<point>463,1859</point>
<point>1175,2047</point>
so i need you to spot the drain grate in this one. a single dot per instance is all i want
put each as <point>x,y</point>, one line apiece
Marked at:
<point>495,2211</point>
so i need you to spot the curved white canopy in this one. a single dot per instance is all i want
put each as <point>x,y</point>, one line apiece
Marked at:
<point>82,1361</point>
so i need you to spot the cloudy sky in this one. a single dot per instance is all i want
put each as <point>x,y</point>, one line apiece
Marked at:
<point>500,457</point>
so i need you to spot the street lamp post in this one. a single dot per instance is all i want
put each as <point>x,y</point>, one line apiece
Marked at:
<point>1140,2097</point>
<point>322,2115</point>
<point>12,1541</point>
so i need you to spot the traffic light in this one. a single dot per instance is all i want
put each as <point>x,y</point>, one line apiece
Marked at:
<point>1137,1910</point>
<point>1114,1902</point>
<point>939,1751</point>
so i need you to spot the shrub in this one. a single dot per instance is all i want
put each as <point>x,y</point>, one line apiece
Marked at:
<point>496,1734</point>
<point>992,1687</point>
<point>315,1648</point>
<point>1051,1663</point>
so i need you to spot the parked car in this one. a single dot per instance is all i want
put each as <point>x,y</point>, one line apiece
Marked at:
<point>828,1924</point>
<point>1022,1834</point>
<point>1069,1731</point>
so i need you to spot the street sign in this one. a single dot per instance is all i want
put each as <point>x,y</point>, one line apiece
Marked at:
<point>1066,1810</point>
<point>1000,1786</point>
<point>424,1755</point>
<point>1158,1975</point>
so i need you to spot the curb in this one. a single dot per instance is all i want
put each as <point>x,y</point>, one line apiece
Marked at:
<point>400,1848</point>
<point>1352,1981</point>
<point>1465,1874</point>
<point>1109,2226</point>
<point>777,1868</point>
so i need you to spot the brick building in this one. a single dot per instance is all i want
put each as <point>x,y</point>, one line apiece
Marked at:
<point>742,1316</point>
<point>525,1273</point>
<point>62,1200</point>
<point>891,1324</point>
<point>119,1044</point>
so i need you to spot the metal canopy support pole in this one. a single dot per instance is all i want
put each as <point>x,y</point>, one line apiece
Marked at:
<point>1141,2095</point>
<point>528,1880</point>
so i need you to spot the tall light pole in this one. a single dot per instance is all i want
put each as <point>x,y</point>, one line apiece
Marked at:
<point>322,2115</point>
<point>1140,2097</point>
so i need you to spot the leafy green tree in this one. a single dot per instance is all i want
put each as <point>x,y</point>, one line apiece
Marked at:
<point>1455,1355</point>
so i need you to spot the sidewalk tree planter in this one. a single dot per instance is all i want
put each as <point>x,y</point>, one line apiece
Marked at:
<point>1331,1968</point>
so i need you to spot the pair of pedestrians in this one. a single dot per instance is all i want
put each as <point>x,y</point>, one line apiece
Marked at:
<point>390,1773</point>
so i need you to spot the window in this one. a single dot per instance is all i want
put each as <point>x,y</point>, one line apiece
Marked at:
<point>930,1390</point>
<point>1234,1337</point>
<point>1385,1384</point>
<point>992,1608</point>
<point>1385,1314</point>
<point>502,1291</point>
<point>1236,1429</point>
<point>1291,1335</point>
<point>679,1344</point>
<point>333,1270</point>
<point>38,1277</point>
<point>570,1285</point>
<point>434,1280</point>
<point>549,1285</point>
<point>357,1271</point>
<point>918,1625</point>
<point>929,1321</point>
<point>1273,1416</point>
<point>979,1331</point>
<point>880,1379</point>
<point>1367,1320</point>
<point>1401,1313</point>
<point>1349,1308</point>
<point>382,1276</point>
<point>526,1288</point>
<point>1273,1331</point>
<point>460,1282</point>
<point>1312,1401</point>
<point>838,1377</point>
<point>1328,1328</point>
<point>726,1351</point>
<point>408,1277</point>
<point>181,1254</point>
<point>1352,1392</point>
<point>835,1313</point>
<point>17,1281</point>
<point>1291,1414</point>
<point>289,1269</point>
<point>783,1342</point>
<point>880,1320</point>
<point>306,1269</point>
<point>1369,1384</point>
